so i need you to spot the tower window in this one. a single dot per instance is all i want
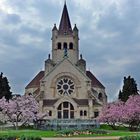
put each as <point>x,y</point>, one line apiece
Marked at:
<point>71,46</point>
<point>65,45</point>
<point>59,46</point>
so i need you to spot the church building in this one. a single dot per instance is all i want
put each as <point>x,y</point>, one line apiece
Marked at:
<point>65,89</point>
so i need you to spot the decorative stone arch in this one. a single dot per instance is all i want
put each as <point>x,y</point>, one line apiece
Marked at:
<point>66,99</point>
<point>65,74</point>
<point>66,108</point>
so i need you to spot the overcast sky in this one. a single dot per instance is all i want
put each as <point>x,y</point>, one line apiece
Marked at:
<point>109,38</point>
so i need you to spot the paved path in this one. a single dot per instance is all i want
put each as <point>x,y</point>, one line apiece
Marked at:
<point>86,138</point>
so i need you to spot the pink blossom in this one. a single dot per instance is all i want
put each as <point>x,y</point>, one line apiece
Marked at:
<point>20,109</point>
<point>120,112</point>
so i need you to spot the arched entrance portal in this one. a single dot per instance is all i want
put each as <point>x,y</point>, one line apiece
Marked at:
<point>65,111</point>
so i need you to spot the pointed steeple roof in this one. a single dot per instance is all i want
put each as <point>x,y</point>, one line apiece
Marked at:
<point>65,25</point>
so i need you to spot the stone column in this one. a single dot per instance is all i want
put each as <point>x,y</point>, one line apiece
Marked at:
<point>90,102</point>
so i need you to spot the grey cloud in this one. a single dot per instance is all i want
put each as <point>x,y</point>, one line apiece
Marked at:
<point>109,40</point>
<point>12,19</point>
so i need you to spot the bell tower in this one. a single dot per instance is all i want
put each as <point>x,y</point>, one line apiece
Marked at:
<point>65,40</point>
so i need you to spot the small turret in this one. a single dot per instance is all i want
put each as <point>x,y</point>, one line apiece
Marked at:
<point>82,64</point>
<point>48,65</point>
<point>54,31</point>
<point>75,30</point>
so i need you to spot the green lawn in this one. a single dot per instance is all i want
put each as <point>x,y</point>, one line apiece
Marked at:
<point>29,133</point>
<point>54,133</point>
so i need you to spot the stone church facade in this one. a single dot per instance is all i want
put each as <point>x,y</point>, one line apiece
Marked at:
<point>65,89</point>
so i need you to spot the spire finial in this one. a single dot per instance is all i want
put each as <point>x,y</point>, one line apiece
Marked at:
<point>65,2</point>
<point>49,56</point>
<point>81,57</point>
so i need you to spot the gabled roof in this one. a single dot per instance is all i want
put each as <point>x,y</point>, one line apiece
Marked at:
<point>84,102</point>
<point>66,58</point>
<point>36,81</point>
<point>65,25</point>
<point>81,102</point>
<point>94,81</point>
<point>49,102</point>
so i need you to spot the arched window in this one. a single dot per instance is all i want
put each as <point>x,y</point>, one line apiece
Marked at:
<point>85,113</point>
<point>71,46</point>
<point>65,45</point>
<point>81,112</point>
<point>65,111</point>
<point>59,45</point>
<point>100,96</point>
<point>96,114</point>
<point>50,113</point>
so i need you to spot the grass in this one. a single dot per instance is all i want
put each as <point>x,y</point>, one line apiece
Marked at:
<point>108,127</point>
<point>39,133</point>
<point>122,131</point>
<point>54,133</point>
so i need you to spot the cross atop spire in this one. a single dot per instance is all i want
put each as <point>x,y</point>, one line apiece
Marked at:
<point>65,25</point>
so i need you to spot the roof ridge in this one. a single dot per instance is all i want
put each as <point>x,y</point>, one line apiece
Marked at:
<point>36,79</point>
<point>95,81</point>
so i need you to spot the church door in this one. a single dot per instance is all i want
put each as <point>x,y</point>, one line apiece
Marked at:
<point>65,111</point>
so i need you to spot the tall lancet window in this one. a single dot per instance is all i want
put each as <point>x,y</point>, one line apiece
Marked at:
<point>65,49</point>
<point>59,45</point>
<point>65,45</point>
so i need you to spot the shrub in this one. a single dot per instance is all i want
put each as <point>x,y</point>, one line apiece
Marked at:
<point>130,138</point>
<point>81,132</point>
<point>117,127</point>
<point>66,132</point>
<point>6,137</point>
<point>94,131</point>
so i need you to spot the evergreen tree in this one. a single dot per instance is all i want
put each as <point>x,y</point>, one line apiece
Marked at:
<point>120,95</point>
<point>129,88</point>
<point>5,88</point>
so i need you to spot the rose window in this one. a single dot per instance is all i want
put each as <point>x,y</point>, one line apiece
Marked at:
<point>65,86</point>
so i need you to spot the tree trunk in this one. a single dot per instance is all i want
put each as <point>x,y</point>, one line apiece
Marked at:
<point>16,125</point>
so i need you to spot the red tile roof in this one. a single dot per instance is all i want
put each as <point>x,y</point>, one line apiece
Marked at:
<point>94,81</point>
<point>36,81</point>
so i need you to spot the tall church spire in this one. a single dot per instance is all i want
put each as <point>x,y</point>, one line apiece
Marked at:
<point>65,25</point>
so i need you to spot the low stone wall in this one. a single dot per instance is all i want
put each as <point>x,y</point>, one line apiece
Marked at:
<point>59,124</point>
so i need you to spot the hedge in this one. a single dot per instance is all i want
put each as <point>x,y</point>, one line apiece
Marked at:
<point>6,137</point>
<point>130,138</point>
